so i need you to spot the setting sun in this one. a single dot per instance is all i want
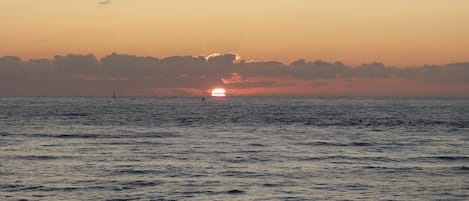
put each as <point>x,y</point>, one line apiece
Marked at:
<point>218,92</point>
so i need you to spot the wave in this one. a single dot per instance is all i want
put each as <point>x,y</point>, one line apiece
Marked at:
<point>76,114</point>
<point>351,158</point>
<point>394,169</point>
<point>105,136</point>
<point>133,171</point>
<point>324,143</point>
<point>42,157</point>
<point>235,191</point>
<point>440,158</point>
<point>461,168</point>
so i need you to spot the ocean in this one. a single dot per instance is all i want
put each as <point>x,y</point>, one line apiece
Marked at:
<point>234,148</point>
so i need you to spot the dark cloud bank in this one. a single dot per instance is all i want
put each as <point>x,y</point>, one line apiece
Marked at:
<point>78,74</point>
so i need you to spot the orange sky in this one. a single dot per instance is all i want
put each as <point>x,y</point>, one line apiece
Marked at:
<point>396,32</point>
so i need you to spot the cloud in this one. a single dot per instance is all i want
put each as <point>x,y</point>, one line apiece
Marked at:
<point>254,84</point>
<point>105,2</point>
<point>319,84</point>
<point>77,64</point>
<point>85,74</point>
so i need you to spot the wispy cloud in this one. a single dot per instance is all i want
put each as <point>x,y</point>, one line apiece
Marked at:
<point>105,2</point>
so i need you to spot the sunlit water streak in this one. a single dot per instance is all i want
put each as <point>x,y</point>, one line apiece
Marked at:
<point>234,148</point>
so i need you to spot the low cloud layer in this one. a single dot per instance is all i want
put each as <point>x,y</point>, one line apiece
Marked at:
<point>86,75</point>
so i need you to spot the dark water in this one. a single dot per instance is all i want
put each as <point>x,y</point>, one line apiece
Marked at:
<point>234,148</point>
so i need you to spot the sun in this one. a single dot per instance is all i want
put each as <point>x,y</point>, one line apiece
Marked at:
<point>218,92</point>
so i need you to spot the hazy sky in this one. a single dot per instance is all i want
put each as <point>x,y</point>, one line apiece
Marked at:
<point>396,32</point>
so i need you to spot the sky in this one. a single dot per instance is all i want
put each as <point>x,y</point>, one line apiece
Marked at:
<point>391,35</point>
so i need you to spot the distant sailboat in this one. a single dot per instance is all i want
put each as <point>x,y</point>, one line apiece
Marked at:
<point>114,95</point>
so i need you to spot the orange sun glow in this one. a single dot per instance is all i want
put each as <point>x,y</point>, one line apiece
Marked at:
<point>218,92</point>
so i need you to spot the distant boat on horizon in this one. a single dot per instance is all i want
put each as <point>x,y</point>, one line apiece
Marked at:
<point>114,95</point>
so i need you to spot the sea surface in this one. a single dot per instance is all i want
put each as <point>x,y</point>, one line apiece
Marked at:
<point>234,148</point>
